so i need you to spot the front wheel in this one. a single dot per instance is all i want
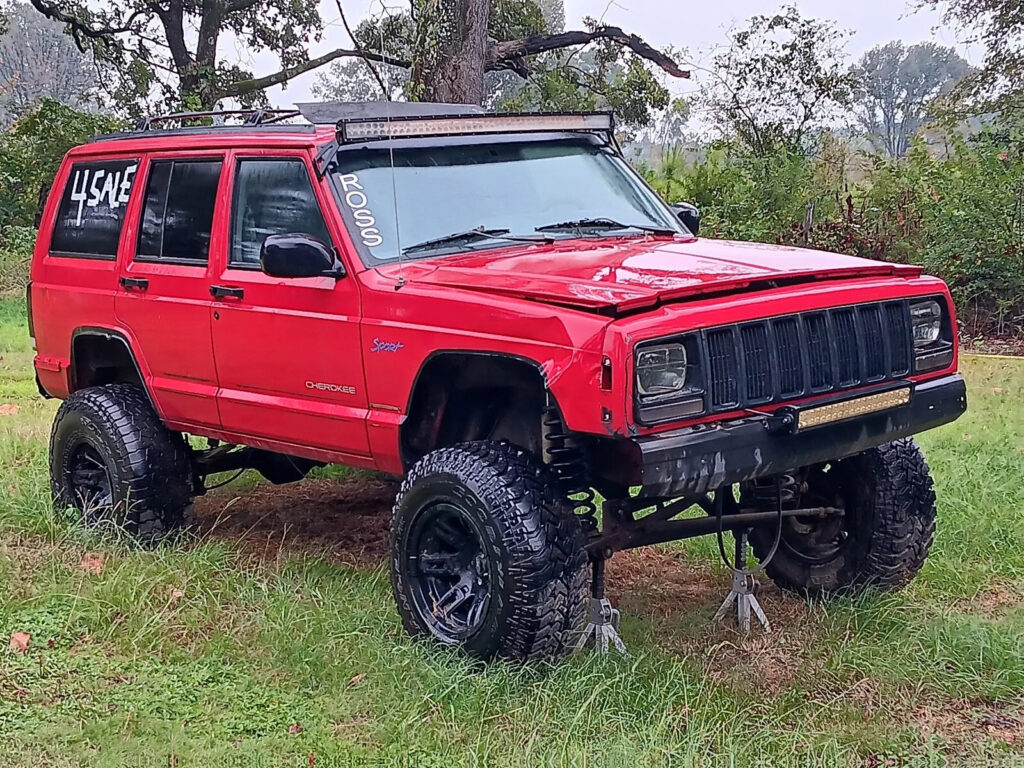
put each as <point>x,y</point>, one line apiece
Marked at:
<point>880,541</point>
<point>486,556</point>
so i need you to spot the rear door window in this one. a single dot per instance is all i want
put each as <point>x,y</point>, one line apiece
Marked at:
<point>91,210</point>
<point>177,214</point>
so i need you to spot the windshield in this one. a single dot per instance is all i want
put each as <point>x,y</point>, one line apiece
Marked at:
<point>469,197</point>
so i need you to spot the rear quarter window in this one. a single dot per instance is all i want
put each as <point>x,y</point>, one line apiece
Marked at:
<point>92,208</point>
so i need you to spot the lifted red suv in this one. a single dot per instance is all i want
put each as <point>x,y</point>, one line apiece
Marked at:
<point>498,308</point>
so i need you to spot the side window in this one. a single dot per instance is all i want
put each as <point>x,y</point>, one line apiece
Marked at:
<point>178,211</point>
<point>92,207</point>
<point>272,197</point>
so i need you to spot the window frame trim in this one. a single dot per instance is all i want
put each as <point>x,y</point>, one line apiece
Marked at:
<point>140,160</point>
<point>174,157</point>
<point>269,155</point>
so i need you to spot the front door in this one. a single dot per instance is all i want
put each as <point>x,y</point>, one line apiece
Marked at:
<point>164,289</point>
<point>288,354</point>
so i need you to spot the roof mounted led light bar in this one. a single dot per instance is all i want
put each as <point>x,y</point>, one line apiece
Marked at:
<point>350,131</point>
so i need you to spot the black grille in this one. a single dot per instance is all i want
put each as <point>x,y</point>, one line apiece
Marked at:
<point>759,364</point>
<point>787,343</point>
<point>789,357</point>
<point>724,365</point>
<point>819,352</point>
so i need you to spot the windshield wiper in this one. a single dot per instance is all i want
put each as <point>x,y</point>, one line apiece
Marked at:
<point>602,223</point>
<point>480,233</point>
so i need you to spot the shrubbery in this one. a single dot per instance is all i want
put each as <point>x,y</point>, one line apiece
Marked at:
<point>31,151</point>
<point>15,256</point>
<point>957,208</point>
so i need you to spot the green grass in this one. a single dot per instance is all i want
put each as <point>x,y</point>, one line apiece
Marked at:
<point>207,654</point>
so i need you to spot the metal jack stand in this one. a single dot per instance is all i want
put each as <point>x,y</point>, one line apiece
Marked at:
<point>744,590</point>
<point>604,620</point>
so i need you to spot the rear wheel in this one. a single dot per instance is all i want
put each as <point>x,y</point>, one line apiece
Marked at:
<point>882,538</point>
<point>486,556</point>
<point>117,465</point>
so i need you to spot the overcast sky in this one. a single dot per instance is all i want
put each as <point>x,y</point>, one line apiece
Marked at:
<point>696,26</point>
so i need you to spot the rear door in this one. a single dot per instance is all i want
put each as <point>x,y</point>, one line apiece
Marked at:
<point>164,297</point>
<point>288,352</point>
<point>74,271</point>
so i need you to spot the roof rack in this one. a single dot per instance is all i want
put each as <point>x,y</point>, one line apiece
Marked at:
<point>249,117</point>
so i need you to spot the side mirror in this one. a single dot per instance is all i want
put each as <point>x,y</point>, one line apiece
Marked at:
<point>689,214</point>
<point>299,255</point>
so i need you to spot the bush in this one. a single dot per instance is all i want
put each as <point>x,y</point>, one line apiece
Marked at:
<point>31,151</point>
<point>958,211</point>
<point>964,212</point>
<point>16,245</point>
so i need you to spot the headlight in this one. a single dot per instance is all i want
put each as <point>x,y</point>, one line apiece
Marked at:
<point>669,382</point>
<point>660,371</point>
<point>926,322</point>
<point>933,335</point>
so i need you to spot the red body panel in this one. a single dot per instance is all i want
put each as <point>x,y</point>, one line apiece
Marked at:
<point>325,369</point>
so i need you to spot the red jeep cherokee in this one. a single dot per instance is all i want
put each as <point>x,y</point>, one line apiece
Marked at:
<point>499,309</point>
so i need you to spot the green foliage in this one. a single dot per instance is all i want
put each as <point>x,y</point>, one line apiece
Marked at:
<point>169,54</point>
<point>998,25</point>
<point>31,151</point>
<point>963,213</point>
<point>958,210</point>
<point>15,257</point>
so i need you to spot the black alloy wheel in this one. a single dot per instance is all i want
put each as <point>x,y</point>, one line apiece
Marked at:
<point>88,480</point>
<point>115,463</point>
<point>448,572</point>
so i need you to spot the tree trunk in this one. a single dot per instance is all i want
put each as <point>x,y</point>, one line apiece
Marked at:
<point>450,51</point>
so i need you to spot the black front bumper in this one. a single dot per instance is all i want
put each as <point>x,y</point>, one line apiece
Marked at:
<point>699,459</point>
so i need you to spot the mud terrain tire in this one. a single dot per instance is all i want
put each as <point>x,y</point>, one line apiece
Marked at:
<point>882,540</point>
<point>113,460</point>
<point>486,517</point>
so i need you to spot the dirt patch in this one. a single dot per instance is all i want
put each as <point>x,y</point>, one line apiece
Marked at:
<point>992,603</point>
<point>681,596</point>
<point>961,723</point>
<point>346,520</point>
<point>655,582</point>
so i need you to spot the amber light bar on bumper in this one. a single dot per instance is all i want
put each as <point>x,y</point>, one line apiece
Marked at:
<point>851,409</point>
<point>462,125</point>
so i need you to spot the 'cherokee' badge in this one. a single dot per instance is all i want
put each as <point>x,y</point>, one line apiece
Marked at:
<point>323,386</point>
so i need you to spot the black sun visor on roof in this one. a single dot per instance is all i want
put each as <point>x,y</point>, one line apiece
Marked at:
<point>334,112</point>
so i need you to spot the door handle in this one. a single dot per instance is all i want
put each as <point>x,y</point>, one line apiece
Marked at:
<point>130,283</point>
<point>226,292</point>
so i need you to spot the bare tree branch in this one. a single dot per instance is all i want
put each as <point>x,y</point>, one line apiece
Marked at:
<point>369,65</point>
<point>80,28</point>
<point>500,54</point>
<point>243,87</point>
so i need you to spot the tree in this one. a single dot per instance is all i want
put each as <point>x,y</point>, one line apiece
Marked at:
<point>528,62</point>
<point>171,47</point>
<point>998,25</point>
<point>897,85</point>
<point>149,45</point>
<point>37,60</point>
<point>779,78</point>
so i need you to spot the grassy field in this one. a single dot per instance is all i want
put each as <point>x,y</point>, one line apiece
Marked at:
<point>268,637</point>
